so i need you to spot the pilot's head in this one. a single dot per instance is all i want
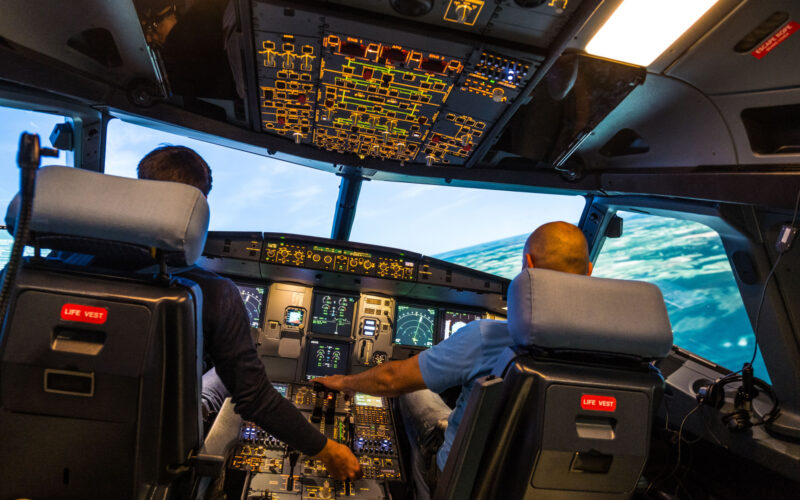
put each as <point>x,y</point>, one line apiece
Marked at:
<point>176,164</point>
<point>558,246</point>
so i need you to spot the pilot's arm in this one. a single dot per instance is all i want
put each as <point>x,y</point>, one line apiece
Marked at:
<point>389,379</point>
<point>242,373</point>
<point>447,364</point>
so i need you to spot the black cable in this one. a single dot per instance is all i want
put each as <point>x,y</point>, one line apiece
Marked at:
<point>21,232</point>
<point>766,283</point>
<point>761,305</point>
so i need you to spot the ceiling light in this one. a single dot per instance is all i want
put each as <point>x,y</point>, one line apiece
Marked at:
<point>640,30</point>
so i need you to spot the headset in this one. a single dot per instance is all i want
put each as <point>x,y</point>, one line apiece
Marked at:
<point>740,418</point>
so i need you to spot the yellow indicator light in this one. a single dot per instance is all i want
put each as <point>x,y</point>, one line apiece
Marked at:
<point>640,30</point>
<point>464,12</point>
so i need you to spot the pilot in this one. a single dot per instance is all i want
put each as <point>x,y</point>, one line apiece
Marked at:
<point>459,360</point>
<point>228,344</point>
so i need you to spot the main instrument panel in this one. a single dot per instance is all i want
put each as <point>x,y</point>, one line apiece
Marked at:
<point>320,307</point>
<point>378,92</point>
<point>273,471</point>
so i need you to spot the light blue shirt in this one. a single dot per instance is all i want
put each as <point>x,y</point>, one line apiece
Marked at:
<point>464,357</point>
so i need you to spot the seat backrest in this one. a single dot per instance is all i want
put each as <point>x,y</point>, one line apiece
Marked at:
<point>100,368</point>
<point>572,417</point>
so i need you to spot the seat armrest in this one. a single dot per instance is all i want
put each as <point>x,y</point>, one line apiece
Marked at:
<point>222,437</point>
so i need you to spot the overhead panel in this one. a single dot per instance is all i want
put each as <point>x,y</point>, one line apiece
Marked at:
<point>354,88</point>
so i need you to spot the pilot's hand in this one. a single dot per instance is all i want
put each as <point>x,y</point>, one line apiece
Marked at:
<point>340,461</point>
<point>335,382</point>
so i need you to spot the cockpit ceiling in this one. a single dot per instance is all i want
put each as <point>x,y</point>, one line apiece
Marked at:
<point>530,22</point>
<point>468,90</point>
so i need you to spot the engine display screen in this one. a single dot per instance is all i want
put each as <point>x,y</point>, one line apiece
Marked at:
<point>414,325</point>
<point>253,298</point>
<point>367,400</point>
<point>454,321</point>
<point>325,357</point>
<point>333,314</point>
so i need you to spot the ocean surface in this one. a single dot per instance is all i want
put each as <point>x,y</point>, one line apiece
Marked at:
<point>685,259</point>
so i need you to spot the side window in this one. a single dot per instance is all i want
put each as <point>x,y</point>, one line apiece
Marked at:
<point>687,261</point>
<point>12,123</point>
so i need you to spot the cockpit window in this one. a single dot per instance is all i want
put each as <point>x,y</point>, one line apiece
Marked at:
<point>688,263</point>
<point>479,228</point>
<point>249,192</point>
<point>12,123</point>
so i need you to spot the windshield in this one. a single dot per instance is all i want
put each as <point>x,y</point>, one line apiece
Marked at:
<point>12,123</point>
<point>249,192</point>
<point>479,228</point>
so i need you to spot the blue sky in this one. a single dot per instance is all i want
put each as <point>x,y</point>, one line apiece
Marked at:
<point>253,193</point>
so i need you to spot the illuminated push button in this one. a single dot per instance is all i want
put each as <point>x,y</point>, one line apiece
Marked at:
<point>498,95</point>
<point>301,98</point>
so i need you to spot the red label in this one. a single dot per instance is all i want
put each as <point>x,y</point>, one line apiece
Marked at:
<point>598,403</point>
<point>84,314</point>
<point>776,39</point>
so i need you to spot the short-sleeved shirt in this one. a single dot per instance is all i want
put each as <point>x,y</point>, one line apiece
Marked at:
<point>460,360</point>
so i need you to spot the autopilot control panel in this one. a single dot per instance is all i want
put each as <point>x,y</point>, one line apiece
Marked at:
<point>266,468</point>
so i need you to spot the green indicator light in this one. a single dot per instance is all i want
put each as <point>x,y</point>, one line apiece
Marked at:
<point>492,81</point>
<point>283,237</point>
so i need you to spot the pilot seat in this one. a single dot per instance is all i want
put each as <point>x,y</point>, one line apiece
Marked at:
<point>100,365</point>
<point>569,410</point>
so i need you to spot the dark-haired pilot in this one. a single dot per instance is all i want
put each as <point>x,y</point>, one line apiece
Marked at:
<point>459,360</point>
<point>227,343</point>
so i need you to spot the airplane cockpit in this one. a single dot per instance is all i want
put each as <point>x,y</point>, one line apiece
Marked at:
<point>377,167</point>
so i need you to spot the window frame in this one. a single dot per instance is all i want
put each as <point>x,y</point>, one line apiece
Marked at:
<point>781,361</point>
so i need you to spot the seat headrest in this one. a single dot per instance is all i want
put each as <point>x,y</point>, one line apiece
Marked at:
<point>169,216</point>
<point>555,310</point>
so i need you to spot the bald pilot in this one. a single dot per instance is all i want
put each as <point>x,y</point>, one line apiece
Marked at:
<point>460,359</point>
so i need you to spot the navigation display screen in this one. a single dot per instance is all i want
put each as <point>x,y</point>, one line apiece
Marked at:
<point>455,320</point>
<point>325,357</point>
<point>282,388</point>
<point>346,260</point>
<point>414,325</point>
<point>367,400</point>
<point>333,314</point>
<point>253,298</point>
